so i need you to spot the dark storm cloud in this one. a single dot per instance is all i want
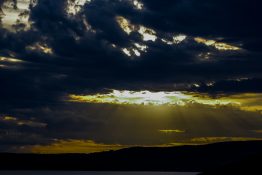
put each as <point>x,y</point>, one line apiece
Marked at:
<point>220,18</point>
<point>83,60</point>
<point>81,54</point>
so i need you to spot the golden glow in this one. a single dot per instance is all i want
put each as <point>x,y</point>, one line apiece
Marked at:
<point>247,102</point>
<point>168,131</point>
<point>10,60</point>
<point>72,146</point>
<point>89,146</point>
<point>8,118</point>
<point>125,24</point>
<point>218,45</point>
<point>40,47</point>
<point>132,97</point>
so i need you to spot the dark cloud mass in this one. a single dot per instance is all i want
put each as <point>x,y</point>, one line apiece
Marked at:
<point>61,47</point>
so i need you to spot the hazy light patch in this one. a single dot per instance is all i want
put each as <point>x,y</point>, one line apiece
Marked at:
<point>238,79</point>
<point>8,118</point>
<point>40,47</point>
<point>88,27</point>
<point>12,16</point>
<point>205,56</point>
<point>247,101</point>
<point>138,4</point>
<point>71,146</point>
<point>196,85</point>
<point>19,122</point>
<point>10,63</point>
<point>169,131</point>
<point>210,84</point>
<point>218,45</point>
<point>10,60</point>
<point>75,6</point>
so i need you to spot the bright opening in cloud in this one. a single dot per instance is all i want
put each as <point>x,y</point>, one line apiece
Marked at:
<point>16,14</point>
<point>247,102</point>
<point>75,6</point>
<point>177,39</point>
<point>146,33</point>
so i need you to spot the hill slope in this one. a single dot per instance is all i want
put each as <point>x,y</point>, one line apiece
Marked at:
<point>183,158</point>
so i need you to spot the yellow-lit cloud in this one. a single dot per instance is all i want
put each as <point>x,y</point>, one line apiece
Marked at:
<point>132,97</point>
<point>168,131</point>
<point>125,24</point>
<point>9,60</point>
<point>146,33</point>
<point>218,45</point>
<point>40,47</point>
<point>74,7</point>
<point>10,63</point>
<point>13,16</point>
<point>177,39</point>
<point>245,101</point>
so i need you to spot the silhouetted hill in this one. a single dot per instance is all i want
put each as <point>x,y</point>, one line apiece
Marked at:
<point>183,158</point>
<point>247,166</point>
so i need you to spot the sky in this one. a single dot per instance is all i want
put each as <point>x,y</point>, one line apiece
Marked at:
<point>83,76</point>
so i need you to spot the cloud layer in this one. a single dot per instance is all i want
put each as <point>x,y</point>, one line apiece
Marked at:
<point>50,50</point>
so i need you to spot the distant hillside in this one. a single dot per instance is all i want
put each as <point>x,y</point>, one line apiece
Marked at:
<point>183,158</point>
<point>246,166</point>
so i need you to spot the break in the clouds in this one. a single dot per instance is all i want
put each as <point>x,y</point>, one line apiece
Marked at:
<point>120,73</point>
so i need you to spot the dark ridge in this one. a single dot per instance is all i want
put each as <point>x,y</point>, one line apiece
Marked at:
<point>202,158</point>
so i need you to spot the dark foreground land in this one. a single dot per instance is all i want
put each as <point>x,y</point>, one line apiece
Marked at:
<point>219,158</point>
